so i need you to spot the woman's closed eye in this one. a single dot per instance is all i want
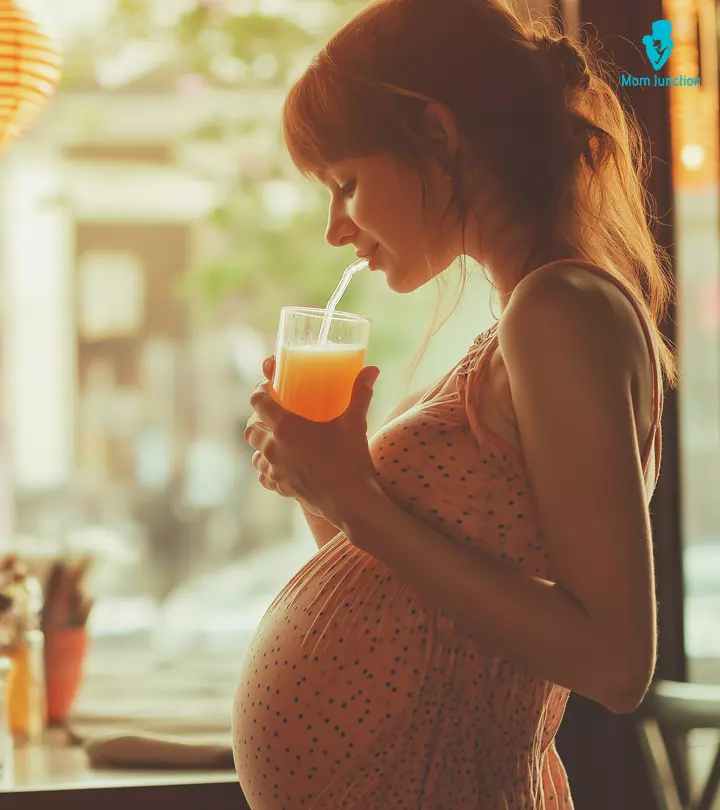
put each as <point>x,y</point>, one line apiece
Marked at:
<point>349,188</point>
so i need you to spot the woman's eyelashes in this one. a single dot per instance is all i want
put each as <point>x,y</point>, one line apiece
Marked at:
<point>349,188</point>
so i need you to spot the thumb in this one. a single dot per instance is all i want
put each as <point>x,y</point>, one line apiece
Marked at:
<point>363,389</point>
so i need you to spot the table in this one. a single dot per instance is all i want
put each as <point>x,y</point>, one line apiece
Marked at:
<point>42,776</point>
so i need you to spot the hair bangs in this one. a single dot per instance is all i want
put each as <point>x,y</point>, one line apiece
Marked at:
<point>319,125</point>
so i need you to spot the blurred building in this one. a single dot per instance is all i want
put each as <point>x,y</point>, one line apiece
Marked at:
<point>122,401</point>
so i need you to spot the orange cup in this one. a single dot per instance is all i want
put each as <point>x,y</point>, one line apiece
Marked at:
<point>316,381</point>
<point>65,651</point>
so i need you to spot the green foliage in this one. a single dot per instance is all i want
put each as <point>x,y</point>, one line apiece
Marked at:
<point>268,261</point>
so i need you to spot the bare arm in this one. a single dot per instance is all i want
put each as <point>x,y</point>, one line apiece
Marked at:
<point>323,531</point>
<point>594,628</point>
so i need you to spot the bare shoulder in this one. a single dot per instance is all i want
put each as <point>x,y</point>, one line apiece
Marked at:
<point>570,297</point>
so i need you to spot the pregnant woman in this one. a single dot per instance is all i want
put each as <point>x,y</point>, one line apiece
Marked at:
<point>489,549</point>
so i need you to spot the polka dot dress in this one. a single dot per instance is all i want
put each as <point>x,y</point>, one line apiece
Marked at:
<point>357,694</point>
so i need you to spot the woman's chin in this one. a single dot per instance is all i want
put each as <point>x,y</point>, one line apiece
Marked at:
<point>403,284</point>
<point>400,280</point>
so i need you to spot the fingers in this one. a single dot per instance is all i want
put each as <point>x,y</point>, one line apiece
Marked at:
<point>269,484</point>
<point>253,420</point>
<point>268,367</point>
<point>258,459</point>
<point>266,482</point>
<point>259,463</point>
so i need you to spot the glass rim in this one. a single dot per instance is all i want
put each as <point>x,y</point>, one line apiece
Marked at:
<point>318,312</point>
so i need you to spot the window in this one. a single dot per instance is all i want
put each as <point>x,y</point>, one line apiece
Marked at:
<point>695,139</point>
<point>697,216</point>
<point>149,248</point>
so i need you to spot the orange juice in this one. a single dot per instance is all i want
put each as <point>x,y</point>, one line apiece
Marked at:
<point>316,381</point>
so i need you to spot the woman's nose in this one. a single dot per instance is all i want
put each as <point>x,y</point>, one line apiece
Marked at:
<point>340,229</point>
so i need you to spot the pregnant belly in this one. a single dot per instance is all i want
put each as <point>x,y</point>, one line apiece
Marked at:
<point>337,665</point>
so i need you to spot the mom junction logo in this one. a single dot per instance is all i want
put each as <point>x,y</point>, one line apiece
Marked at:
<point>658,46</point>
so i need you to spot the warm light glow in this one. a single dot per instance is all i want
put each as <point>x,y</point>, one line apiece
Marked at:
<point>692,156</point>
<point>29,70</point>
<point>694,110</point>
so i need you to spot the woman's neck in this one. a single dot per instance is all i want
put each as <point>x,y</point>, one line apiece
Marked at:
<point>505,282</point>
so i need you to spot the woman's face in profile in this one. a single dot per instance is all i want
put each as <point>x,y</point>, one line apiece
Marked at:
<point>377,201</point>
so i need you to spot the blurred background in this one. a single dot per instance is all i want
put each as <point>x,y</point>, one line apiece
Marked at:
<point>151,228</point>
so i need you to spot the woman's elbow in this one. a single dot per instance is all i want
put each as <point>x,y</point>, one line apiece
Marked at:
<point>627,698</point>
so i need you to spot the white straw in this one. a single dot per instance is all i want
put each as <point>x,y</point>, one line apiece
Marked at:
<point>350,271</point>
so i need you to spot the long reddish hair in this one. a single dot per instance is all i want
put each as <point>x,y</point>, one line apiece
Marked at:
<point>536,105</point>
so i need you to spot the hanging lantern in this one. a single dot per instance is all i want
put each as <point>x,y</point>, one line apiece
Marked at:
<point>29,70</point>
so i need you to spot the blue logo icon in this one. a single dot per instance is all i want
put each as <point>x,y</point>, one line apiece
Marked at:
<point>659,44</point>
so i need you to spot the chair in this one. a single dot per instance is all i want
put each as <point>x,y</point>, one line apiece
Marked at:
<point>669,711</point>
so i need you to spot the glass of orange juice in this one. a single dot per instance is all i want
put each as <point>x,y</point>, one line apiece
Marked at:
<point>316,380</point>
